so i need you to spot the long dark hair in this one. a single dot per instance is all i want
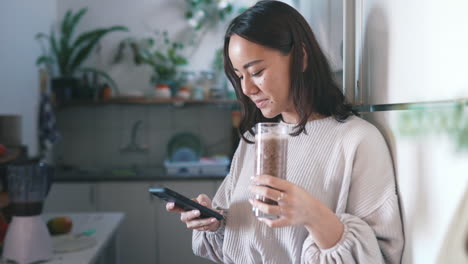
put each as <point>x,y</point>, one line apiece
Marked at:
<point>278,26</point>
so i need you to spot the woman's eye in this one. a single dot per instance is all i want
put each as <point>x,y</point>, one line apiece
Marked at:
<point>256,73</point>
<point>240,77</point>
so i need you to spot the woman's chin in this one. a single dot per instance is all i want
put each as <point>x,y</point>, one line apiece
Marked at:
<point>269,114</point>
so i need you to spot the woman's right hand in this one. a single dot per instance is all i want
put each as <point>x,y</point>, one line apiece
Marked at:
<point>190,218</point>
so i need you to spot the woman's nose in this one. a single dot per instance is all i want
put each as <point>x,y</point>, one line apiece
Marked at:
<point>249,87</point>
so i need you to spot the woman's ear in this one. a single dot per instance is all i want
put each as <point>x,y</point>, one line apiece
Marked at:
<point>304,58</point>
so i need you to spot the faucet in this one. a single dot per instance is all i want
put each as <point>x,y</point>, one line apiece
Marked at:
<point>133,146</point>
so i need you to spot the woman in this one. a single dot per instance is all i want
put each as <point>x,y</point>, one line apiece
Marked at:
<point>337,203</point>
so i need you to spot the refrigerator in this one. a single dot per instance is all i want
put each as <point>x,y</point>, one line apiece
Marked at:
<point>404,65</point>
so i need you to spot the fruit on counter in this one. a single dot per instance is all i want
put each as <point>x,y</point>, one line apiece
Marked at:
<point>59,225</point>
<point>3,150</point>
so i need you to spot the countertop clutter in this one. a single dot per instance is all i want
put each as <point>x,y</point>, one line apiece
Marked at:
<point>77,249</point>
<point>99,247</point>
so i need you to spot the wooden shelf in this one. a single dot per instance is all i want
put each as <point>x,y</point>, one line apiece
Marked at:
<point>146,100</point>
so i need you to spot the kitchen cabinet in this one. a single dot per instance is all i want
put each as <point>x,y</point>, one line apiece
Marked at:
<point>71,197</point>
<point>148,234</point>
<point>174,239</point>
<point>137,239</point>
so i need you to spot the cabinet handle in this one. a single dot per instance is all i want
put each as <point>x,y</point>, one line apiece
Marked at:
<point>92,195</point>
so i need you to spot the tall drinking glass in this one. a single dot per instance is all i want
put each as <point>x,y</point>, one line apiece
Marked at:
<point>271,149</point>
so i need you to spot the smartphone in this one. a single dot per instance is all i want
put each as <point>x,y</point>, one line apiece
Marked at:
<point>185,203</point>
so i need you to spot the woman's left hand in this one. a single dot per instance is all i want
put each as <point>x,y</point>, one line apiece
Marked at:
<point>295,205</point>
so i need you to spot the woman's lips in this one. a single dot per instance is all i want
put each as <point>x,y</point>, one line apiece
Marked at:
<point>261,103</point>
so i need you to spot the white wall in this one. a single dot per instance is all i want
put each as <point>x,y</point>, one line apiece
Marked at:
<point>143,17</point>
<point>20,20</point>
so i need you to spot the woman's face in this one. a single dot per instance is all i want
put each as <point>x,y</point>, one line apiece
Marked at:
<point>264,77</point>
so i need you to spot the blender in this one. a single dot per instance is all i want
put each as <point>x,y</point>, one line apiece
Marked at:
<point>27,239</point>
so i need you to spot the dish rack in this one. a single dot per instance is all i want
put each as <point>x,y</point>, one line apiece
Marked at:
<point>204,167</point>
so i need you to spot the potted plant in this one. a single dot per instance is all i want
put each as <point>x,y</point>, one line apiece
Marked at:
<point>64,54</point>
<point>162,54</point>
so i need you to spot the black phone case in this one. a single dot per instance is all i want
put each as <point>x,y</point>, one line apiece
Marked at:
<point>185,203</point>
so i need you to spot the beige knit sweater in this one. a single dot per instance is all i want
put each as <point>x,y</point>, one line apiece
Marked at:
<point>348,167</point>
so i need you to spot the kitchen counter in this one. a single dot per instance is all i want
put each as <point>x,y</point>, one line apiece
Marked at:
<point>105,248</point>
<point>68,174</point>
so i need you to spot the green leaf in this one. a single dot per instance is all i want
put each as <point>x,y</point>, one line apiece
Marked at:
<point>119,54</point>
<point>86,42</point>
<point>90,35</point>
<point>82,53</point>
<point>149,42</point>
<point>69,24</point>
<point>65,22</point>
<point>145,54</point>
<point>188,14</point>
<point>60,57</point>
<point>179,60</point>
<point>228,9</point>
<point>160,56</point>
<point>76,19</point>
<point>171,52</point>
<point>103,74</point>
<point>44,60</point>
<point>68,27</point>
<point>136,53</point>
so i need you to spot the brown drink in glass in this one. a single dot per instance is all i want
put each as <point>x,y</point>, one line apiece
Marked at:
<point>271,148</point>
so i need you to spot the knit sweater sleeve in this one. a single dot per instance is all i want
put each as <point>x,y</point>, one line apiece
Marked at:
<point>373,230</point>
<point>209,244</point>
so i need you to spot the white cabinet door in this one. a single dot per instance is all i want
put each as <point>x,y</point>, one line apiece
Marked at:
<point>174,239</point>
<point>71,197</point>
<point>136,239</point>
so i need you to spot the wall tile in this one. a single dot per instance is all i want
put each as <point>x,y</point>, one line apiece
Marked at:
<point>160,116</point>
<point>215,130</point>
<point>95,136</point>
<point>77,117</point>
<point>79,148</point>
<point>158,146</point>
<point>109,117</point>
<point>131,114</point>
<point>108,148</point>
<point>186,119</point>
